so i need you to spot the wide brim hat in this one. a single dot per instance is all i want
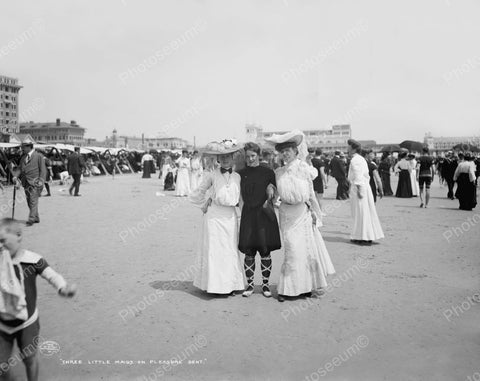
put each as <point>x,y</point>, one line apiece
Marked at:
<point>290,139</point>
<point>221,148</point>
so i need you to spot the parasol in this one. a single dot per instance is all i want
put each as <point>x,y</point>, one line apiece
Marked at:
<point>412,146</point>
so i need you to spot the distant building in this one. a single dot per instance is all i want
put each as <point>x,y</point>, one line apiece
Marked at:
<point>447,143</point>
<point>144,143</point>
<point>9,110</point>
<point>56,132</point>
<point>328,140</point>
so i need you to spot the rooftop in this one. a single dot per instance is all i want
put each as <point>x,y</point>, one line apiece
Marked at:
<point>57,124</point>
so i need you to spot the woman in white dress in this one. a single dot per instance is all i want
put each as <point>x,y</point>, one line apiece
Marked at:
<point>197,171</point>
<point>307,262</point>
<point>219,268</point>
<point>182,188</point>
<point>366,225</point>
<point>413,174</point>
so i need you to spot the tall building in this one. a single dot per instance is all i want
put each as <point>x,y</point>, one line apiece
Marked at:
<point>9,110</point>
<point>56,132</point>
<point>328,140</point>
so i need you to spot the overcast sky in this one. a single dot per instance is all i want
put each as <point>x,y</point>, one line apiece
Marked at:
<point>393,70</point>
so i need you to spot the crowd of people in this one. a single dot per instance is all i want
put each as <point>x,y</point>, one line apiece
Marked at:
<point>280,197</point>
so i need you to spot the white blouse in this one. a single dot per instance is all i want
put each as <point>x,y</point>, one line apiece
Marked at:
<point>465,167</point>
<point>223,189</point>
<point>403,164</point>
<point>358,171</point>
<point>295,184</point>
<point>183,163</point>
<point>195,164</point>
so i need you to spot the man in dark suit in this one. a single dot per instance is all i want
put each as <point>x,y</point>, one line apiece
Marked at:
<point>32,177</point>
<point>75,167</point>
<point>448,170</point>
<point>338,170</point>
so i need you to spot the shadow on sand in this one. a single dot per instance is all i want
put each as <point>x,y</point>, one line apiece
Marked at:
<point>188,287</point>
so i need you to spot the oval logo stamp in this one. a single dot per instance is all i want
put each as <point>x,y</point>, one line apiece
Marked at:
<point>49,348</point>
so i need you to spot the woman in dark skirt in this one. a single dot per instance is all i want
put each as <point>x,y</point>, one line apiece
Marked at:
<point>169,185</point>
<point>147,161</point>
<point>375,182</point>
<point>403,168</point>
<point>258,226</point>
<point>466,189</point>
<point>384,171</point>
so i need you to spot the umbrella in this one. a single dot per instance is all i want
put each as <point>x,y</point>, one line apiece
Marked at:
<point>466,147</point>
<point>412,145</point>
<point>391,148</point>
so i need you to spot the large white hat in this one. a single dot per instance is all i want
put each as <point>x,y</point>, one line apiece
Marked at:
<point>224,147</point>
<point>294,138</point>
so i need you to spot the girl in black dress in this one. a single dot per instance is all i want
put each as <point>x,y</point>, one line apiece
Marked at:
<point>258,226</point>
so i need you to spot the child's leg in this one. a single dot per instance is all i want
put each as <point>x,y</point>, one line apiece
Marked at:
<point>6,348</point>
<point>28,340</point>
<point>31,365</point>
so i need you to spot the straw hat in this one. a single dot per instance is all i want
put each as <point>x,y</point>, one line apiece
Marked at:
<point>224,147</point>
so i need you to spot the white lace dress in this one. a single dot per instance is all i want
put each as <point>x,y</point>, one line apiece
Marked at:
<point>307,262</point>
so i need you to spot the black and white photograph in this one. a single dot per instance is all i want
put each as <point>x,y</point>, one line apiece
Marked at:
<point>239,190</point>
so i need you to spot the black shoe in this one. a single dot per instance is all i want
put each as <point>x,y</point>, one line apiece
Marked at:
<point>37,221</point>
<point>77,195</point>
<point>48,195</point>
<point>30,223</point>
<point>281,298</point>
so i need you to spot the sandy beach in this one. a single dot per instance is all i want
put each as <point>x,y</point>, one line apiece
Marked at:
<point>406,308</point>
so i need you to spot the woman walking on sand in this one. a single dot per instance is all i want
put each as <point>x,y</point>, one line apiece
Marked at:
<point>307,262</point>
<point>182,188</point>
<point>384,171</point>
<point>366,225</point>
<point>466,187</point>
<point>403,168</point>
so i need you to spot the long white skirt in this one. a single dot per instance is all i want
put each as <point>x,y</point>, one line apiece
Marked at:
<point>219,267</point>
<point>307,262</point>
<point>366,225</point>
<point>195,179</point>
<point>182,188</point>
<point>413,180</point>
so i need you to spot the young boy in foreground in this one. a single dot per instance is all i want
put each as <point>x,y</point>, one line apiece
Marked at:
<point>18,298</point>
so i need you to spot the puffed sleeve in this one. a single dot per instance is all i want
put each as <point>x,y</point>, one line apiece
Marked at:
<point>199,196</point>
<point>313,172</point>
